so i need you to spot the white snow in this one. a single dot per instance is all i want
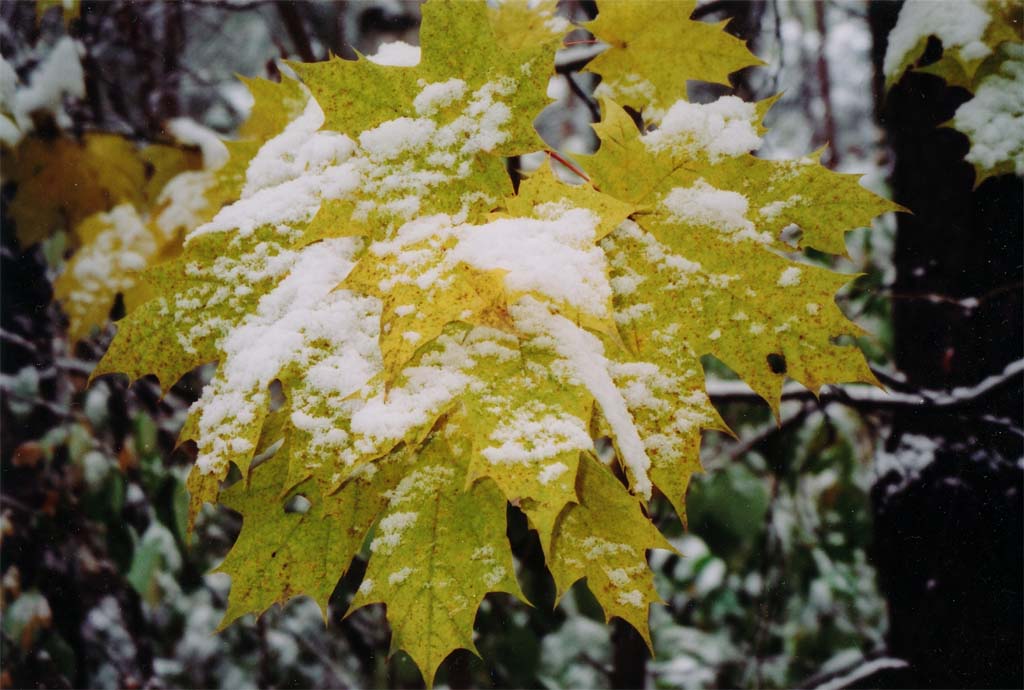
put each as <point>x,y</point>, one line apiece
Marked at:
<point>790,277</point>
<point>724,210</point>
<point>631,598</point>
<point>425,481</point>
<point>390,530</point>
<point>59,75</point>
<point>438,95</point>
<point>721,129</point>
<point>494,576</point>
<point>303,309</point>
<point>773,210</point>
<point>556,257</point>
<point>182,201</point>
<point>552,472</point>
<point>585,356</point>
<point>396,54</point>
<point>528,437</point>
<point>110,263</point>
<point>957,23</point>
<point>397,137</point>
<point>400,576</point>
<point>10,134</point>
<point>188,131</point>
<point>994,119</point>
<point>287,179</point>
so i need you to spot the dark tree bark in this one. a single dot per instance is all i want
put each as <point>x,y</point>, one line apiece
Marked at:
<point>630,653</point>
<point>947,542</point>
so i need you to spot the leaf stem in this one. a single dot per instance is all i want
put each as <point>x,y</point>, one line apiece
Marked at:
<point>569,164</point>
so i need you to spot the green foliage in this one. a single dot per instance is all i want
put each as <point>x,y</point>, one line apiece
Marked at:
<point>446,347</point>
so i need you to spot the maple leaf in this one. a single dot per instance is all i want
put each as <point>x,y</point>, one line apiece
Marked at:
<point>446,347</point>
<point>523,23</point>
<point>438,549</point>
<point>970,33</point>
<point>149,344</point>
<point>605,539</point>
<point>695,275</point>
<point>645,67</point>
<point>94,174</point>
<point>460,52</point>
<point>164,193</point>
<point>750,304</point>
<point>983,52</point>
<point>115,246</point>
<point>280,554</point>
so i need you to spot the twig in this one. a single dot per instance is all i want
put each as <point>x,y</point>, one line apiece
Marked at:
<point>967,304</point>
<point>564,161</point>
<point>831,157</point>
<point>576,57</point>
<point>16,339</point>
<point>595,110</point>
<point>751,442</point>
<point>709,8</point>
<point>867,398</point>
<point>849,675</point>
<point>325,659</point>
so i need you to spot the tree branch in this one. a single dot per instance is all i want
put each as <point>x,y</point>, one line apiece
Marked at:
<point>296,29</point>
<point>862,397</point>
<point>849,675</point>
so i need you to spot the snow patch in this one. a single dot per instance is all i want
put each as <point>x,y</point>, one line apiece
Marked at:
<point>957,23</point>
<point>396,54</point>
<point>721,129</point>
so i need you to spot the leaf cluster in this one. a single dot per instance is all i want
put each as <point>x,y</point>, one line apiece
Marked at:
<point>447,346</point>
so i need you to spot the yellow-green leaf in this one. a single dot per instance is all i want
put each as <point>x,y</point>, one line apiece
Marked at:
<point>605,539</point>
<point>281,554</point>
<point>655,48</point>
<point>438,549</point>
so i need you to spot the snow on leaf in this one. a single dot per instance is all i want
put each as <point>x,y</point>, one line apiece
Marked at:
<point>458,42</point>
<point>279,554</point>
<point>116,246</point>
<point>439,547</point>
<point>994,119</point>
<point>377,265</point>
<point>605,539</point>
<point>970,31</point>
<point>981,52</point>
<point>701,259</point>
<point>528,419</point>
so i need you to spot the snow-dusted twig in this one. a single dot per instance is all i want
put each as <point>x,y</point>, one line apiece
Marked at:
<point>850,675</point>
<point>575,57</point>
<point>864,397</point>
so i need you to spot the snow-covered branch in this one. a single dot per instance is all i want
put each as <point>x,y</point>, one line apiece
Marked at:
<point>868,398</point>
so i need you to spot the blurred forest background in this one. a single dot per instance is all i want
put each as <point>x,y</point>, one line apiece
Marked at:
<point>866,540</point>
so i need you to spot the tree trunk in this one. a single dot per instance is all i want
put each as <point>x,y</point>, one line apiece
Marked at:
<point>947,540</point>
